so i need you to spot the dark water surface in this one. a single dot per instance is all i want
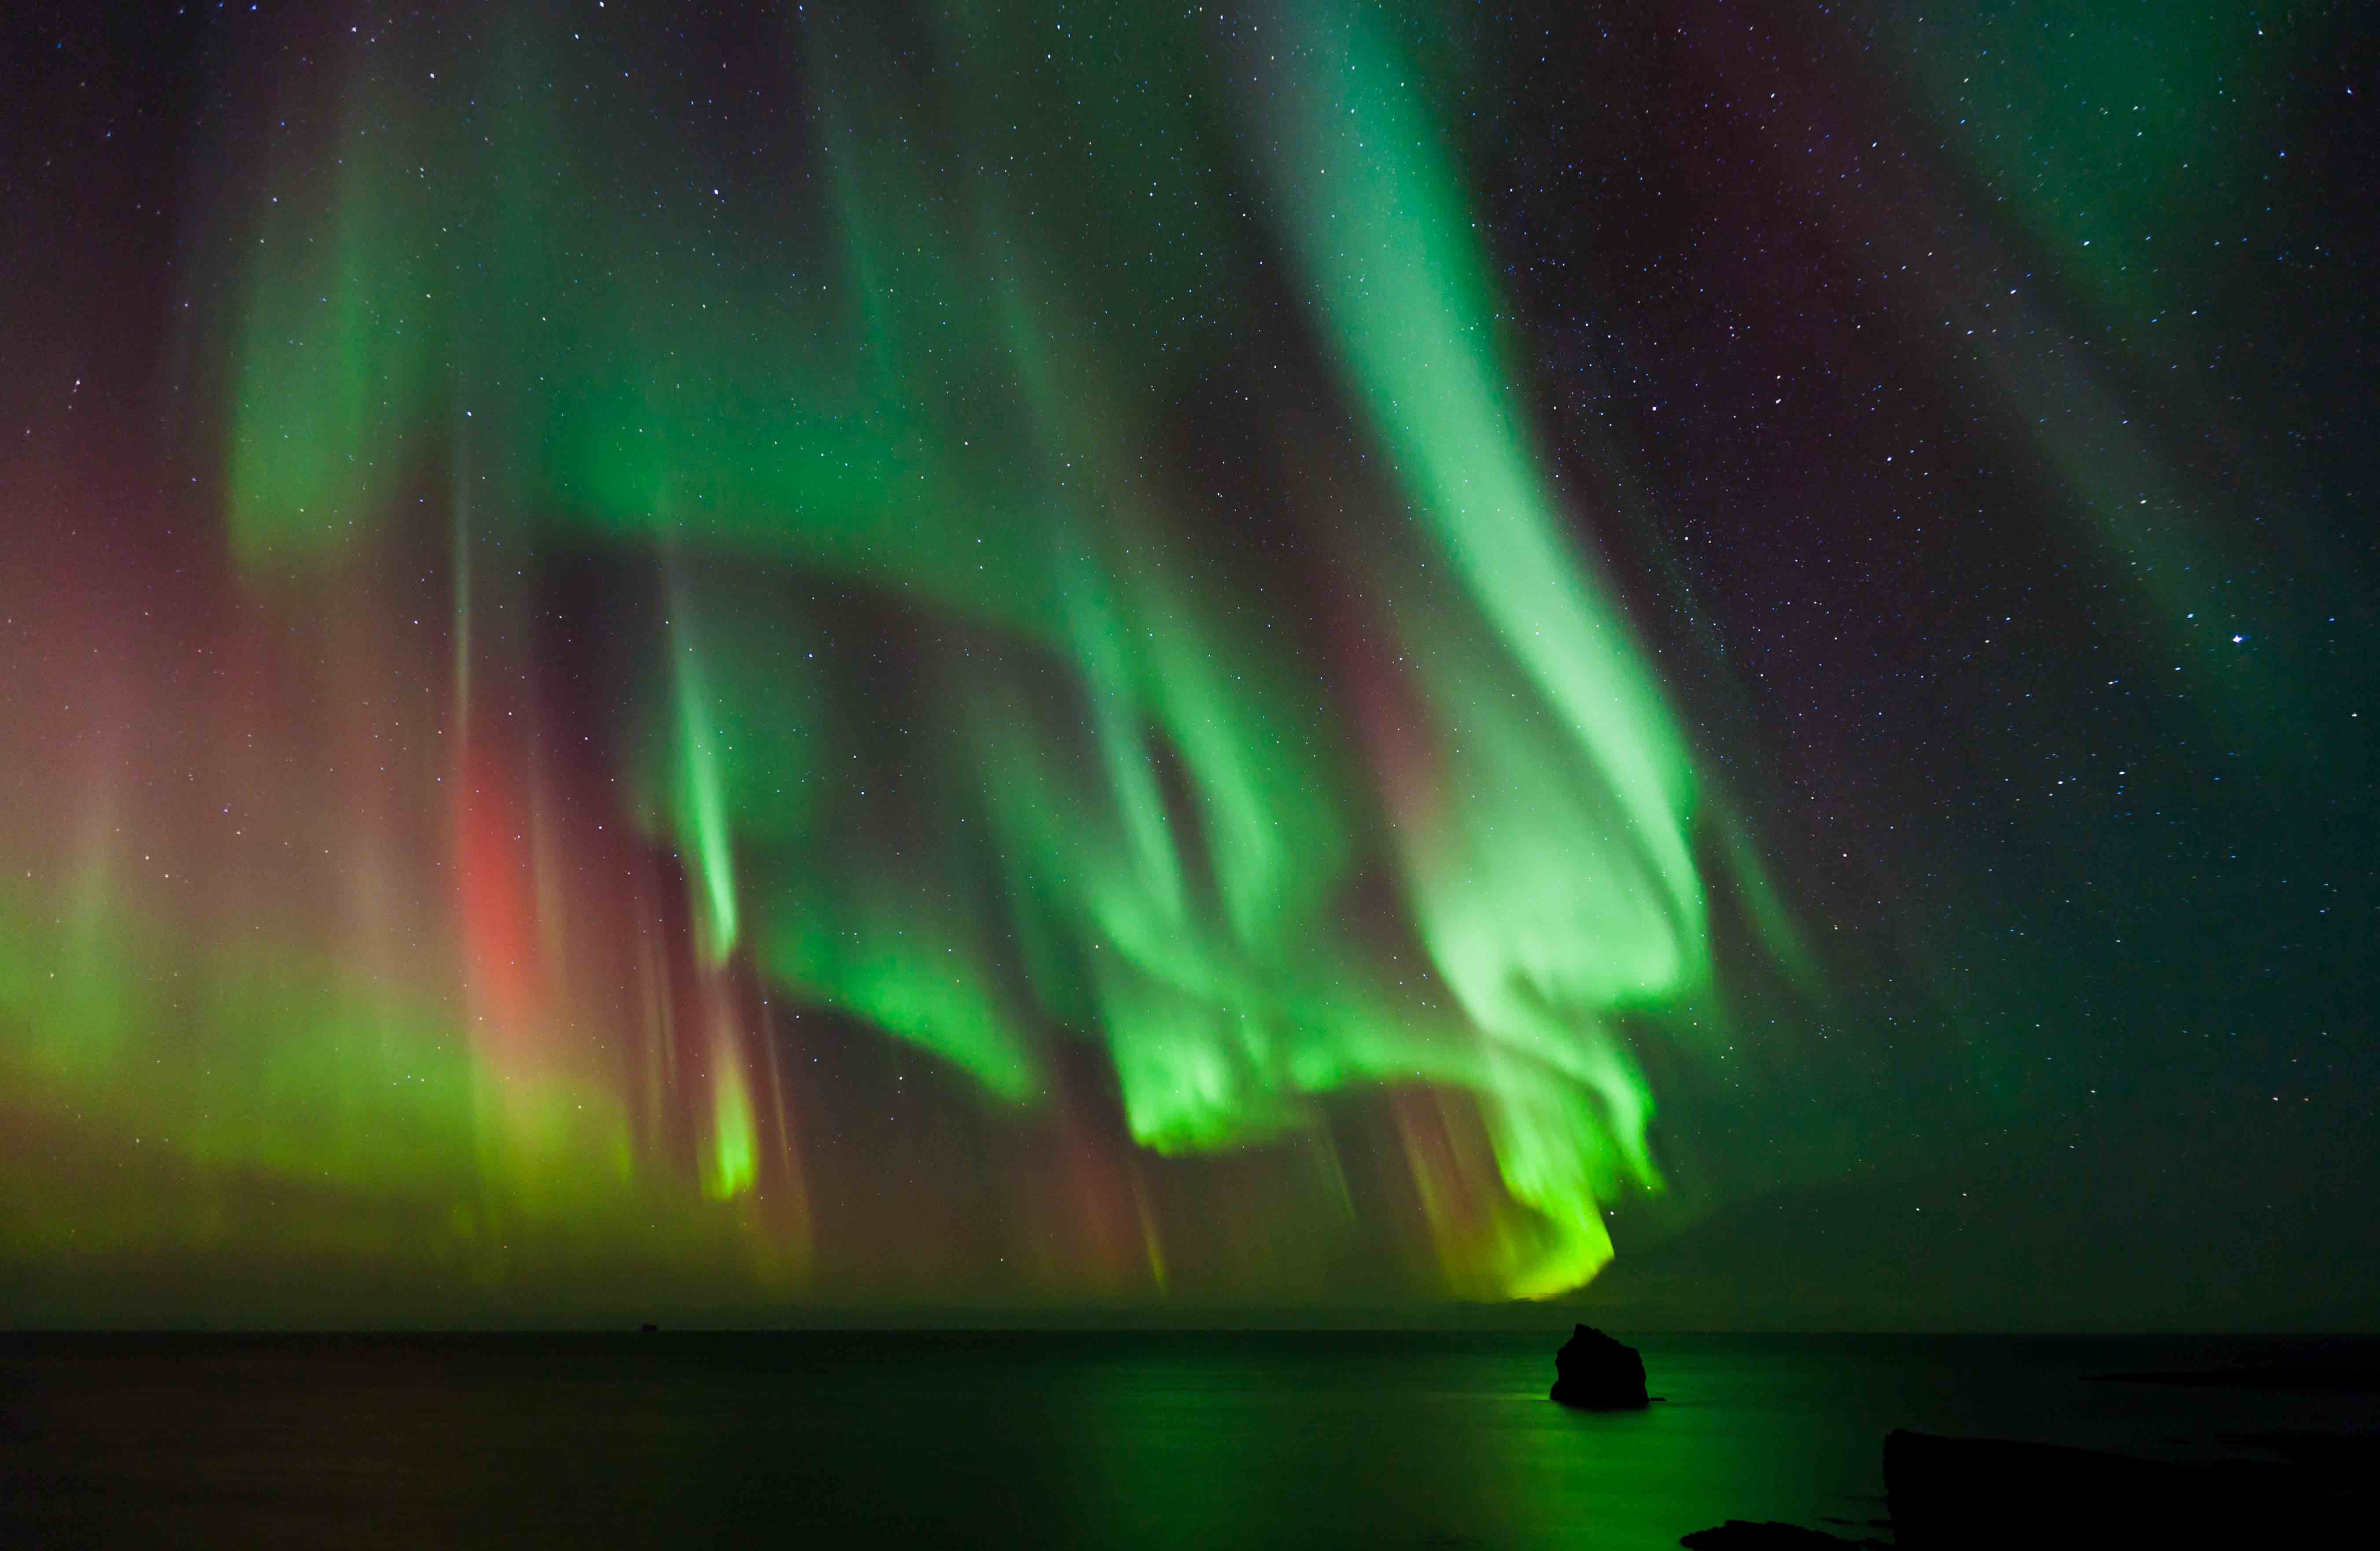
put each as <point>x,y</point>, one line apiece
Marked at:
<point>1142,1441</point>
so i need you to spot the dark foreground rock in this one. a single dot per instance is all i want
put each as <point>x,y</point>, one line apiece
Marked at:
<point>1968,1494</point>
<point>1594,1372</point>
<point>1961,1492</point>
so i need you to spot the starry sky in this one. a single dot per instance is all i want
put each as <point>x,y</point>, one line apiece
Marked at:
<point>1711,660</point>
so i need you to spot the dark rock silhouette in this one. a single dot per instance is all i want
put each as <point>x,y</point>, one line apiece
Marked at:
<point>1593,1371</point>
<point>1989,1492</point>
<point>1970,1493</point>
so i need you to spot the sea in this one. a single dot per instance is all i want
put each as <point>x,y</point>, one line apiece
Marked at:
<point>1143,1440</point>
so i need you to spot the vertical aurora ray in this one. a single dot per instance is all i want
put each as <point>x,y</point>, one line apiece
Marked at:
<point>1555,881</point>
<point>732,1161</point>
<point>702,819</point>
<point>1379,224</point>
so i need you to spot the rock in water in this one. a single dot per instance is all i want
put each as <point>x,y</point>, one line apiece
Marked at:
<point>1595,1372</point>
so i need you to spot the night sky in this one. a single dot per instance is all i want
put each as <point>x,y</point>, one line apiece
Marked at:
<point>751,662</point>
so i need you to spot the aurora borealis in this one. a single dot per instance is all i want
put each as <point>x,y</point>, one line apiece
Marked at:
<point>992,653</point>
